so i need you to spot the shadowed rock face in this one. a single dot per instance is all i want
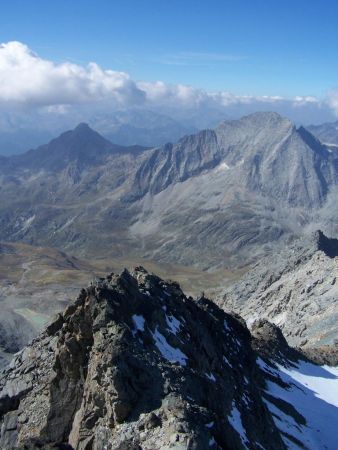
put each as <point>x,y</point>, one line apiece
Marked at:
<point>327,245</point>
<point>134,363</point>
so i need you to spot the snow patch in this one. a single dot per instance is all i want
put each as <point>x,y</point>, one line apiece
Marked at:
<point>27,223</point>
<point>225,359</point>
<point>210,376</point>
<point>168,352</point>
<point>226,326</point>
<point>313,392</point>
<point>212,442</point>
<point>174,324</point>
<point>139,322</point>
<point>236,422</point>
<point>223,166</point>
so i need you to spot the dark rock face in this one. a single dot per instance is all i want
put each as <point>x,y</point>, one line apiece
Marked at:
<point>327,245</point>
<point>135,364</point>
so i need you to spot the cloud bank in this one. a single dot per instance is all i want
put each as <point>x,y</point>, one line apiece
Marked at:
<point>29,81</point>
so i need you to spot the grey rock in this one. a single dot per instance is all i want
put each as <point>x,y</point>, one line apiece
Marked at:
<point>232,194</point>
<point>296,290</point>
<point>136,364</point>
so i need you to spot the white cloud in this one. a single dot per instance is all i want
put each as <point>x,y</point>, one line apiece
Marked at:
<point>27,80</point>
<point>332,100</point>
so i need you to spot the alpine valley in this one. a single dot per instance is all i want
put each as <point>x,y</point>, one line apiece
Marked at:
<point>243,356</point>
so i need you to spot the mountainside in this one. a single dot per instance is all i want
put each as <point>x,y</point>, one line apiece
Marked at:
<point>134,363</point>
<point>35,283</point>
<point>296,289</point>
<point>326,133</point>
<point>231,194</point>
<point>266,151</point>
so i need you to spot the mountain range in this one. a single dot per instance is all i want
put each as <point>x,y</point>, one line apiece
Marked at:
<point>230,194</point>
<point>125,127</point>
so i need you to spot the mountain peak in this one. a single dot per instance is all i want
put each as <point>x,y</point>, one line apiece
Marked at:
<point>260,119</point>
<point>82,145</point>
<point>134,363</point>
<point>82,126</point>
<point>84,129</point>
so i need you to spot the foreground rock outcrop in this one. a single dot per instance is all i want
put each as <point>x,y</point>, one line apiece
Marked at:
<point>135,364</point>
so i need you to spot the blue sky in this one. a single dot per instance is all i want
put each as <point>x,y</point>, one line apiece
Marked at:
<point>63,61</point>
<point>252,47</point>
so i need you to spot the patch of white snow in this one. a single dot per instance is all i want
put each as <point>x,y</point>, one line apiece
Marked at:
<point>174,324</point>
<point>168,352</point>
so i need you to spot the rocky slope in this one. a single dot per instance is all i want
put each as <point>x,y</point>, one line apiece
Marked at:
<point>135,364</point>
<point>35,283</point>
<point>296,289</point>
<point>231,194</point>
<point>38,282</point>
<point>326,133</point>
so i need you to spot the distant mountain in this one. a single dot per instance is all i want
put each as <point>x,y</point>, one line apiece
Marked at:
<point>82,146</point>
<point>326,132</point>
<point>140,127</point>
<point>127,128</point>
<point>133,363</point>
<point>227,194</point>
<point>217,198</point>
<point>265,151</point>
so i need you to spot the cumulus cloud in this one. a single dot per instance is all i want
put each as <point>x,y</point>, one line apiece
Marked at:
<point>332,100</point>
<point>31,81</point>
<point>27,78</point>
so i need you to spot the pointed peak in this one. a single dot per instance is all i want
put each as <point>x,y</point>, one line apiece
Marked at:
<point>260,119</point>
<point>82,126</point>
<point>266,117</point>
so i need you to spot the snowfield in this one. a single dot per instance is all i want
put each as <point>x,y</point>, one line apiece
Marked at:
<point>312,391</point>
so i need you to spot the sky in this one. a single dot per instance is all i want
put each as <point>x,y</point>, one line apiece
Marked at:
<point>192,53</point>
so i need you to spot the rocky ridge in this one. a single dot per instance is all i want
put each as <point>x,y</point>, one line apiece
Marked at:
<point>298,291</point>
<point>135,364</point>
<point>122,367</point>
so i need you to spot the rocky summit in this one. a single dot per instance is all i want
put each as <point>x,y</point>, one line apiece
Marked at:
<point>135,364</point>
